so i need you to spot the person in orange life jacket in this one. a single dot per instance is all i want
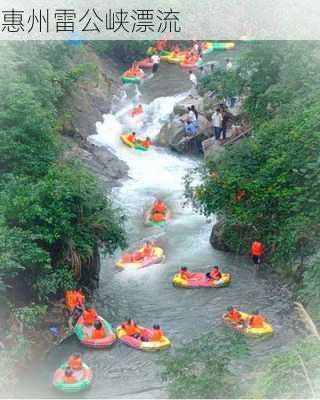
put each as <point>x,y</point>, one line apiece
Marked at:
<point>256,320</point>
<point>185,274</point>
<point>158,217</point>
<point>75,362</point>
<point>69,378</point>
<point>159,206</point>
<point>137,110</point>
<point>148,249</point>
<point>157,334</point>
<point>131,328</point>
<point>215,274</point>
<point>89,316</point>
<point>132,137</point>
<point>257,250</point>
<point>99,331</point>
<point>146,142</point>
<point>234,315</point>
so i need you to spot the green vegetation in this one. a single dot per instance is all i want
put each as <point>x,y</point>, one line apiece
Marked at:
<point>202,368</point>
<point>123,50</point>
<point>292,374</point>
<point>277,167</point>
<point>54,215</point>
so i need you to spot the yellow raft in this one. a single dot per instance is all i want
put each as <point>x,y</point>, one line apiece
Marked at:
<point>199,280</point>
<point>162,344</point>
<point>125,140</point>
<point>255,332</point>
<point>156,258</point>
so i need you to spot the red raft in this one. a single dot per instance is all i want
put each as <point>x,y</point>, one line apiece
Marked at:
<point>86,340</point>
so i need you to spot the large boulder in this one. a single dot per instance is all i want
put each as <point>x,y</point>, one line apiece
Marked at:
<point>181,107</point>
<point>172,135</point>
<point>216,237</point>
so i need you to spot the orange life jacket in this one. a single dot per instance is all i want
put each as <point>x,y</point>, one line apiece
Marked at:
<point>185,274</point>
<point>146,143</point>
<point>131,138</point>
<point>156,335</point>
<point>75,363</point>
<point>234,315</point>
<point>130,329</point>
<point>215,275</point>
<point>257,249</point>
<point>256,321</point>
<point>89,316</point>
<point>159,206</point>
<point>147,251</point>
<point>69,379</point>
<point>158,217</point>
<point>99,333</point>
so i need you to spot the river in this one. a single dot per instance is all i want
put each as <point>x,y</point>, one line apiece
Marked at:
<point>148,295</point>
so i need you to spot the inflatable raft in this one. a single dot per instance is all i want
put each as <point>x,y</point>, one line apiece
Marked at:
<point>199,280</point>
<point>136,111</point>
<point>144,262</point>
<point>148,218</point>
<point>107,341</point>
<point>128,77</point>
<point>140,344</point>
<point>193,63</point>
<point>223,45</point>
<point>82,384</point>
<point>265,330</point>
<point>136,145</point>
<point>164,55</point>
<point>146,63</point>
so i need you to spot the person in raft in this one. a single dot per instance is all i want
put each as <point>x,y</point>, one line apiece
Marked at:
<point>98,331</point>
<point>89,318</point>
<point>146,142</point>
<point>256,320</point>
<point>257,250</point>
<point>234,316</point>
<point>76,366</point>
<point>137,110</point>
<point>131,328</point>
<point>157,334</point>
<point>158,211</point>
<point>159,207</point>
<point>69,377</point>
<point>132,137</point>
<point>215,274</point>
<point>185,273</point>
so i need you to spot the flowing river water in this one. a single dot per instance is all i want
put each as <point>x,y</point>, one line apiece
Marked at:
<point>148,295</point>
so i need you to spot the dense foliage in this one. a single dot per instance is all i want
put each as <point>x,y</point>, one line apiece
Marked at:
<point>276,170</point>
<point>202,368</point>
<point>293,374</point>
<point>54,213</point>
<point>123,50</point>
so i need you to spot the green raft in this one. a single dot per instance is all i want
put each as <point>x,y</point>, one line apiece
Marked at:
<point>127,79</point>
<point>83,384</point>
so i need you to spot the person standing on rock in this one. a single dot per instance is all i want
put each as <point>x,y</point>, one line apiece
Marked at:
<point>217,123</point>
<point>155,62</point>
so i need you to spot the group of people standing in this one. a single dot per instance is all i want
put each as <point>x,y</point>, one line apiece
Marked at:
<point>221,119</point>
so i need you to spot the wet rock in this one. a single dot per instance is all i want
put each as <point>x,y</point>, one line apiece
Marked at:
<point>99,160</point>
<point>216,238</point>
<point>172,135</point>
